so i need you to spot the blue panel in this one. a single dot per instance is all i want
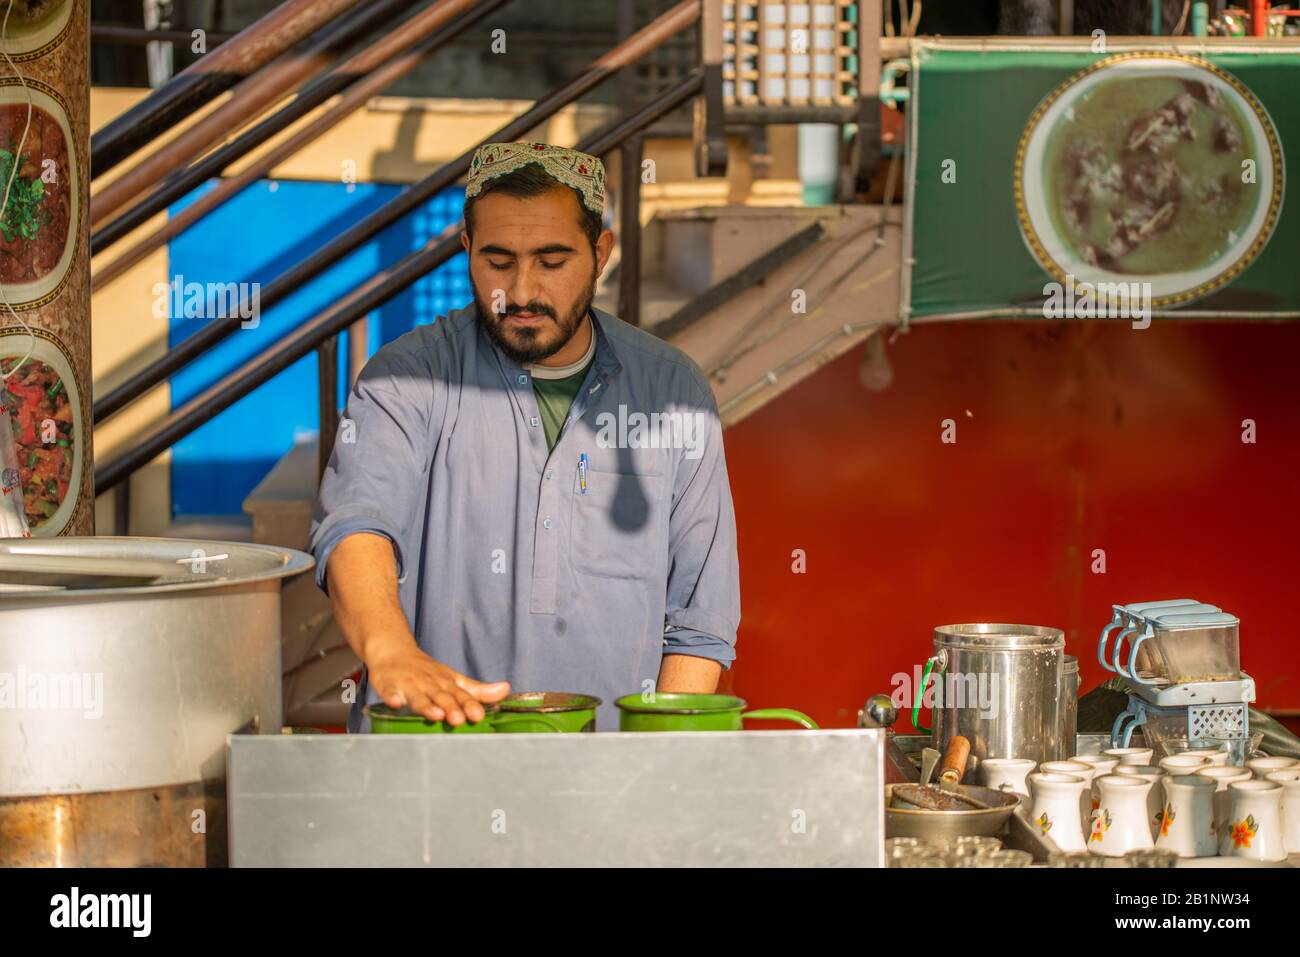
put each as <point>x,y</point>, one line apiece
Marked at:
<point>255,238</point>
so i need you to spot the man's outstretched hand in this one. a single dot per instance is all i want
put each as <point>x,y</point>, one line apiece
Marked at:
<point>362,576</point>
<point>405,677</point>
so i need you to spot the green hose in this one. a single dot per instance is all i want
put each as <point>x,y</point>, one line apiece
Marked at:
<point>916,708</point>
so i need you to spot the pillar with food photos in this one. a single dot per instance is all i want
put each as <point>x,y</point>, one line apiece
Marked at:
<point>45,478</point>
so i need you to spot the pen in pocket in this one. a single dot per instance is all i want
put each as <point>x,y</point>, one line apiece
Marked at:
<point>582,473</point>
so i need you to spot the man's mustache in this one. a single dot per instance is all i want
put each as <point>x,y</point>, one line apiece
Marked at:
<point>540,311</point>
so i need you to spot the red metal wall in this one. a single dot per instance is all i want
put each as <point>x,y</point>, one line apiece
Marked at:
<point>1070,438</point>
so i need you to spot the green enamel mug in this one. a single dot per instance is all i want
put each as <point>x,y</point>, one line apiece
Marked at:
<point>386,720</point>
<point>678,711</point>
<point>570,711</point>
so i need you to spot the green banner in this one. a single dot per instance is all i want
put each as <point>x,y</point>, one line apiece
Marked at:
<point>1064,182</point>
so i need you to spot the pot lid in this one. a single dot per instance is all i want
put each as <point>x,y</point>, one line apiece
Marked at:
<point>997,636</point>
<point>58,569</point>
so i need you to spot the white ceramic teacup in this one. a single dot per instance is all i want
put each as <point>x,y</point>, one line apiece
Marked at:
<point>1218,755</point>
<point>1155,797</point>
<point>1260,767</point>
<point>1184,763</point>
<point>1078,769</point>
<point>1007,774</point>
<point>1254,827</point>
<point>1055,808</point>
<point>1138,756</point>
<point>1119,825</point>
<point>1290,781</point>
<point>1187,820</point>
<point>1222,800</point>
<point>1104,763</point>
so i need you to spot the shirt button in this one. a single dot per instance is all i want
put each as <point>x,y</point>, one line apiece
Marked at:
<point>546,523</point>
<point>533,421</point>
<point>550,472</point>
<point>523,379</point>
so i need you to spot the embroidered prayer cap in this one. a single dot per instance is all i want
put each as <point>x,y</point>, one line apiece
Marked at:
<point>582,171</point>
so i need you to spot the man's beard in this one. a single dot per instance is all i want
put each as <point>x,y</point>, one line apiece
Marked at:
<point>526,344</point>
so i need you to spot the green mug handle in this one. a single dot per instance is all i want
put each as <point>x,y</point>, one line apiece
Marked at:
<point>511,717</point>
<point>783,714</point>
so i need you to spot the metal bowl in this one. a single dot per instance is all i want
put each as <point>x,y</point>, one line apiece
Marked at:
<point>900,822</point>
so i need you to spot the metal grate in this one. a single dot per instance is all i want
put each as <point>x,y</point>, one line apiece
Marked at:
<point>1216,721</point>
<point>790,53</point>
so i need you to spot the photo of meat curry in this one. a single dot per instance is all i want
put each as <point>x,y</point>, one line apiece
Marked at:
<point>33,24</point>
<point>42,416</point>
<point>26,16</point>
<point>35,221</point>
<point>1143,175</point>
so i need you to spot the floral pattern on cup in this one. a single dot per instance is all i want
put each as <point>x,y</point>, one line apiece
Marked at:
<point>1100,825</point>
<point>1243,832</point>
<point>1164,819</point>
<point>1044,822</point>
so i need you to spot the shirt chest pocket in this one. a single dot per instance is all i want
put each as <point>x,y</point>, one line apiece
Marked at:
<point>619,526</point>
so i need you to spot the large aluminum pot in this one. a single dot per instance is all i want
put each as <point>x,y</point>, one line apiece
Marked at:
<point>1069,707</point>
<point>125,662</point>
<point>1000,687</point>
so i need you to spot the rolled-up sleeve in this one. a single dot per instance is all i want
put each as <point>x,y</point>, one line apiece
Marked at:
<point>376,479</point>
<point>703,609</point>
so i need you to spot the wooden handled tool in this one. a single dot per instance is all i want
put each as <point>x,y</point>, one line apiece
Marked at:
<point>954,761</point>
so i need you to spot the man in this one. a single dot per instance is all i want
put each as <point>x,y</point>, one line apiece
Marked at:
<point>529,493</point>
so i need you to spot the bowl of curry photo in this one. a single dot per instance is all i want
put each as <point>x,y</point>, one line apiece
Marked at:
<point>38,229</point>
<point>33,25</point>
<point>1149,168</point>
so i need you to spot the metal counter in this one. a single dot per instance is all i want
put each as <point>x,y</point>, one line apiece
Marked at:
<point>748,798</point>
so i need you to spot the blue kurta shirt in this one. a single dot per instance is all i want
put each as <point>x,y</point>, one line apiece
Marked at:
<point>507,568</point>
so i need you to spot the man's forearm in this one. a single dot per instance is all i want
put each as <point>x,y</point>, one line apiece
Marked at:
<point>687,673</point>
<point>362,574</point>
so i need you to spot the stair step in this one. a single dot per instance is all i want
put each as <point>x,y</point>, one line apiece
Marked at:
<point>279,508</point>
<point>698,248</point>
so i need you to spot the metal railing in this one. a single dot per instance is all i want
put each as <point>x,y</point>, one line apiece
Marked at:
<point>383,63</point>
<point>200,83</point>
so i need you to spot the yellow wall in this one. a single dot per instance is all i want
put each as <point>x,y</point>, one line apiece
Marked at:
<point>395,140</point>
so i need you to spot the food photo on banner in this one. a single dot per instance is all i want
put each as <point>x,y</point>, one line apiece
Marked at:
<point>1133,180</point>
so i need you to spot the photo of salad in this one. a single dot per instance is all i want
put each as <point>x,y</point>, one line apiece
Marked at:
<point>41,413</point>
